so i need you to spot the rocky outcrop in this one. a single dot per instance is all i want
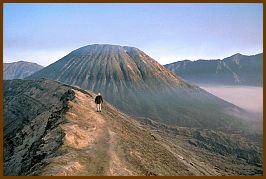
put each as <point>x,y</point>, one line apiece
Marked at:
<point>33,112</point>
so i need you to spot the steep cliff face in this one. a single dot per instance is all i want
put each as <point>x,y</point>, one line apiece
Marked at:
<point>32,114</point>
<point>237,69</point>
<point>138,85</point>
<point>59,132</point>
<point>20,69</point>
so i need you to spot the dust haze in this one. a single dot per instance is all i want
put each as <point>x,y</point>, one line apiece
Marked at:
<point>247,97</point>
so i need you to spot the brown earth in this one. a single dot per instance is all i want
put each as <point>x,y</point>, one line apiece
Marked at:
<point>112,143</point>
<point>73,139</point>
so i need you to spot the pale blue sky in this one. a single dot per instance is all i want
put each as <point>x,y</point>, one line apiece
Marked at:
<point>44,33</point>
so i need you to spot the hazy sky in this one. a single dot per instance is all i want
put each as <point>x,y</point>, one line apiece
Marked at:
<point>44,33</point>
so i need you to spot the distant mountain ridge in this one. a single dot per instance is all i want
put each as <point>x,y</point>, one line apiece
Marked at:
<point>237,69</point>
<point>137,84</point>
<point>20,69</point>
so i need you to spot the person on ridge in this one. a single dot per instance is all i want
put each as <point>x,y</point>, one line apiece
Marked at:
<point>99,101</point>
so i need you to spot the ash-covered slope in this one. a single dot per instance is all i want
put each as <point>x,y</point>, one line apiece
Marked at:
<point>20,69</point>
<point>32,113</point>
<point>139,86</point>
<point>59,132</point>
<point>237,69</point>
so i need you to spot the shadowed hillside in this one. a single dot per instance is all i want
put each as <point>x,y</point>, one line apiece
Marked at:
<point>20,69</point>
<point>235,70</point>
<point>53,129</point>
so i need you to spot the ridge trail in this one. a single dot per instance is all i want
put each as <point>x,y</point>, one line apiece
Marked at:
<point>89,143</point>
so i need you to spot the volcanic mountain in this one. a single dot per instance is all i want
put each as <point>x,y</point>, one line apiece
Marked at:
<point>237,69</point>
<point>53,129</point>
<point>20,69</point>
<point>138,85</point>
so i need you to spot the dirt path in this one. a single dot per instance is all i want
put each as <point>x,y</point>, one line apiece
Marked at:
<point>89,143</point>
<point>91,146</point>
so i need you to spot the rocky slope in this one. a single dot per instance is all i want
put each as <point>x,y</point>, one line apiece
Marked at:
<point>235,70</point>
<point>20,69</point>
<point>53,129</point>
<point>138,85</point>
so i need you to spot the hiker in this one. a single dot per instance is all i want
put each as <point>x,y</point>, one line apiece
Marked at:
<point>99,101</point>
